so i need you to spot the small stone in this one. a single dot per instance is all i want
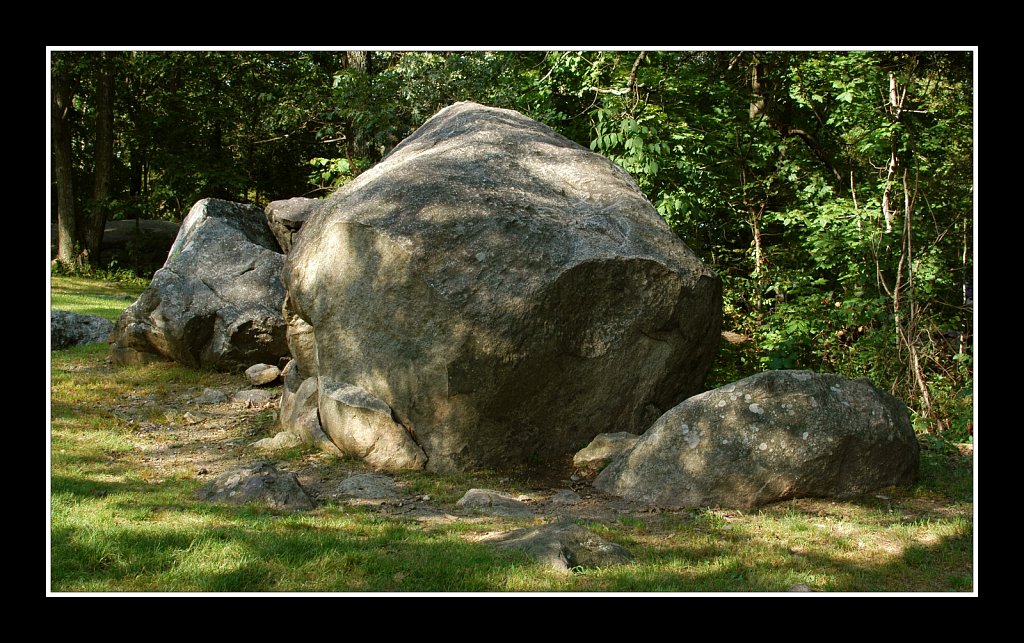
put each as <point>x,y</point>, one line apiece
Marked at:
<point>566,497</point>
<point>262,374</point>
<point>253,396</point>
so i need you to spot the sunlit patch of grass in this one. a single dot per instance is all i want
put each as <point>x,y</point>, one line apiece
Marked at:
<point>108,299</point>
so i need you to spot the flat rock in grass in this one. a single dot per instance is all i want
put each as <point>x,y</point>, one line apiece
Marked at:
<point>564,547</point>
<point>69,329</point>
<point>262,374</point>
<point>604,448</point>
<point>769,437</point>
<point>494,502</point>
<point>253,397</point>
<point>210,396</point>
<point>283,440</point>
<point>260,483</point>
<point>368,486</point>
<point>217,301</point>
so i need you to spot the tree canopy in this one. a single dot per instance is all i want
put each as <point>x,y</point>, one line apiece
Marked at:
<point>832,190</point>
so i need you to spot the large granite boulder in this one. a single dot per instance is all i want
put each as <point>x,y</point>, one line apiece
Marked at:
<point>769,437</point>
<point>217,301</point>
<point>286,217</point>
<point>503,294</point>
<point>71,329</point>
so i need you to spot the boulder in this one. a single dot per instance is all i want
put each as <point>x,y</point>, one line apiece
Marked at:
<point>564,546</point>
<point>769,437</point>
<point>260,483</point>
<point>69,329</point>
<point>262,374</point>
<point>286,217</point>
<point>502,293</point>
<point>217,301</point>
<point>603,449</point>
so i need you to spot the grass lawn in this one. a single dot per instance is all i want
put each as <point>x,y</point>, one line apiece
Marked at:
<point>124,443</point>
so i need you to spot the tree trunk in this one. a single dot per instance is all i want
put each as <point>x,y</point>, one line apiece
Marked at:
<point>60,115</point>
<point>95,218</point>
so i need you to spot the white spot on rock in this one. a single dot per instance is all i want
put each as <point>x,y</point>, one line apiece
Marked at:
<point>729,388</point>
<point>746,397</point>
<point>685,428</point>
<point>721,403</point>
<point>756,408</point>
<point>692,439</point>
<point>763,446</point>
<point>805,434</point>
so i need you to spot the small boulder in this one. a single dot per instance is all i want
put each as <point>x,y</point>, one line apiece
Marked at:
<point>564,547</point>
<point>69,329</point>
<point>604,448</point>
<point>262,374</point>
<point>260,483</point>
<point>495,503</point>
<point>769,437</point>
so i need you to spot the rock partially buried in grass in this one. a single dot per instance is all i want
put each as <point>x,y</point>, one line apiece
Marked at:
<point>260,483</point>
<point>564,547</point>
<point>494,502</point>
<point>769,437</point>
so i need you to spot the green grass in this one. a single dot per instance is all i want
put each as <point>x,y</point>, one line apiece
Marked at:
<point>92,296</point>
<point>115,527</point>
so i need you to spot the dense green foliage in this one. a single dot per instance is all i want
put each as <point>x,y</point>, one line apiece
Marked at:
<point>832,191</point>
